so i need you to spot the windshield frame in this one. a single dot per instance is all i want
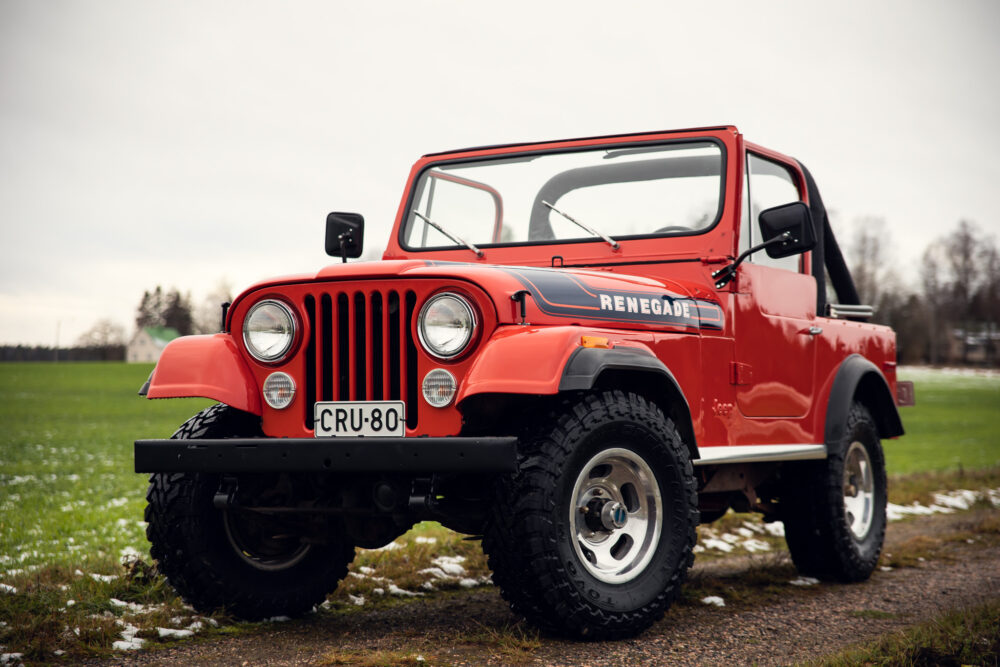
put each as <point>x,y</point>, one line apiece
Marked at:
<point>415,191</point>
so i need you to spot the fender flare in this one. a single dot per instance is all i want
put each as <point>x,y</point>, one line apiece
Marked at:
<point>859,379</point>
<point>207,367</point>
<point>586,366</point>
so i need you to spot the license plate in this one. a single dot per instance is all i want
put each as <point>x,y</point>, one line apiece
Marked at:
<point>368,418</point>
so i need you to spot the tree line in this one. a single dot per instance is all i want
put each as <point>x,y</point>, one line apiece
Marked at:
<point>951,313</point>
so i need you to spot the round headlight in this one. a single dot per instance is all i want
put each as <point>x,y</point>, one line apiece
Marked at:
<point>446,325</point>
<point>269,330</point>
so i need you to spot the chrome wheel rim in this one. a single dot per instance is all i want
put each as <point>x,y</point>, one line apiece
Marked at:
<point>859,490</point>
<point>616,515</point>
<point>257,547</point>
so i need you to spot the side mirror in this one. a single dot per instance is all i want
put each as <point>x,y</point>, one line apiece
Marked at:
<point>345,235</point>
<point>791,221</point>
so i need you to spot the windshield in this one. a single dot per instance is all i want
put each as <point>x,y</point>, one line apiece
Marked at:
<point>608,194</point>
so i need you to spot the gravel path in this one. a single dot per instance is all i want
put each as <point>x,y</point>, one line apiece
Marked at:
<point>463,628</point>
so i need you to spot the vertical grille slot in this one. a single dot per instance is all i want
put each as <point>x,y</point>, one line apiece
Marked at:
<point>311,364</point>
<point>361,349</point>
<point>411,362</point>
<point>343,350</point>
<point>328,354</point>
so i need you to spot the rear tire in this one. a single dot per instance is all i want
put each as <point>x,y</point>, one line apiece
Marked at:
<point>236,560</point>
<point>593,536</point>
<point>834,511</point>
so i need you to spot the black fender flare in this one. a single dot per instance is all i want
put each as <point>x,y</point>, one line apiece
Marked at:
<point>859,379</point>
<point>586,367</point>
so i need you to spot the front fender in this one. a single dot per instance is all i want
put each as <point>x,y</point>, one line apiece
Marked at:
<point>205,366</point>
<point>521,360</point>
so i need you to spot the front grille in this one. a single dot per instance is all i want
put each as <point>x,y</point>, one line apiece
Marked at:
<point>361,348</point>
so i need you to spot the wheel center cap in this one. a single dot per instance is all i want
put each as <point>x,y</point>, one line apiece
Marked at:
<point>613,515</point>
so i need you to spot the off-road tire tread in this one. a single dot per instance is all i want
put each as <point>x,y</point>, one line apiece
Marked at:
<point>819,541</point>
<point>179,533</point>
<point>519,538</point>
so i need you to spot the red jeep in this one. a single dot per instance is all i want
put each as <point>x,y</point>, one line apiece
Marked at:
<point>575,349</point>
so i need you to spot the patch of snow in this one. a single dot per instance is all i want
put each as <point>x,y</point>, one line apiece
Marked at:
<point>450,564</point>
<point>420,539</point>
<point>70,603</point>
<point>378,591</point>
<point>133,607</point>
<point>4,588</point>
<point>392,546</point>
<point>714,600</point>
<point>357,600</point>
<point>428,586</point>
<point>729,537</point>
<point>173,633</point>
<point>366,570</point>
<point>745,532</point>
<point>698,549</point>
<point>129,554</point>
<point>435,572</point>
<point>885,568</point>
<point>106,578</point>
<point>719,545</point>
<point>10,658</point>
<point>754,545</point>
<point>775,529</point>
<point>804,581</point>
<point>129,641</point>
<point>278,619</point>
<point>396,590</point>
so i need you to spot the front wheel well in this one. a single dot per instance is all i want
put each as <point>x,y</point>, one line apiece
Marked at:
<point>658,389</point>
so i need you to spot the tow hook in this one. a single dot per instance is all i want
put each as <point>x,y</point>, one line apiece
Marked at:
<point>225,497</point>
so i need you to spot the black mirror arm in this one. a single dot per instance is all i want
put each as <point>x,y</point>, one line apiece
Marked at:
<point>727,273</point>
<point>346,239</point>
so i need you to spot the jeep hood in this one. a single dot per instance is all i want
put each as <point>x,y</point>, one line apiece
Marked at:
<point>554,296</point>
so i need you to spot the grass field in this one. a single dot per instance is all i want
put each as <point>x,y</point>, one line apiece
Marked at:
<point>71,507</point>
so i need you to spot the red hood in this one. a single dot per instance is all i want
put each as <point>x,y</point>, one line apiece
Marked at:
<point>555,296</point>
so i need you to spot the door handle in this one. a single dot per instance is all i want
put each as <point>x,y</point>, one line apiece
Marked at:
<point>814,331</point>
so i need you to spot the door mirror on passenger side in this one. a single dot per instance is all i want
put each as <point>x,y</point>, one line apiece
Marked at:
<point>787,230</point>
<point>345,234</point>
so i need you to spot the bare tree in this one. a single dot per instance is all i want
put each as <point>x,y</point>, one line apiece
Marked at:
<point>208,316</point>
<point>935,290</point>
<point>104,333</point>
<point>868,256</point>
<point>961,249</point>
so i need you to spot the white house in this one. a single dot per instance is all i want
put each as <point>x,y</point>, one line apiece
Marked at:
<point>148,343</point>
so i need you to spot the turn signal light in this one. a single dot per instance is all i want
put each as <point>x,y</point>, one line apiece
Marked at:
<point>595,341</point>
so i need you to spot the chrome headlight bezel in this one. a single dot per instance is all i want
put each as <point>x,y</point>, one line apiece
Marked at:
<point>283,312</point>
<point>450,350</point>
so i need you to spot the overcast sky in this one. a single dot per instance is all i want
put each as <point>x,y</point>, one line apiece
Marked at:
<point>185,143</point>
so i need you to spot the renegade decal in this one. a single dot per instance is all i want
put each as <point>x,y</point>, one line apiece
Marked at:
<point>566,295</point>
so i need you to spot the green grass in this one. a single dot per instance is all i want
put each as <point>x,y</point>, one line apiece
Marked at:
<point>67,490</point>
<point>70,505</point>
<point>954,425</point>
<point>962,637</point>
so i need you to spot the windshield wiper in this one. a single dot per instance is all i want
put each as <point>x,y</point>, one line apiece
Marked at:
<point>456,239</point>
<point>611,241</point>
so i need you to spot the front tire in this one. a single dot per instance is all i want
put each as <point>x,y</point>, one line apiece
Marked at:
<point>236,560</point>
<point>835,513</point>
<point>593,536</point>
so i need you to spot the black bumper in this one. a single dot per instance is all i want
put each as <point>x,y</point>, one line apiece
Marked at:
<point>406,455</point>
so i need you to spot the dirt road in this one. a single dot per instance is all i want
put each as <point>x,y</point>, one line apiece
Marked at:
<point>772,624</point>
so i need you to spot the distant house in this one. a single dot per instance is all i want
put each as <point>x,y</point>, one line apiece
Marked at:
<point>148,343</point>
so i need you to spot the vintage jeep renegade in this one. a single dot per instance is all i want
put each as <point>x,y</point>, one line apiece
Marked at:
<point>575,349</point>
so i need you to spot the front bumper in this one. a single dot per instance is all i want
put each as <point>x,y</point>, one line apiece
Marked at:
<point>389,455</point>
